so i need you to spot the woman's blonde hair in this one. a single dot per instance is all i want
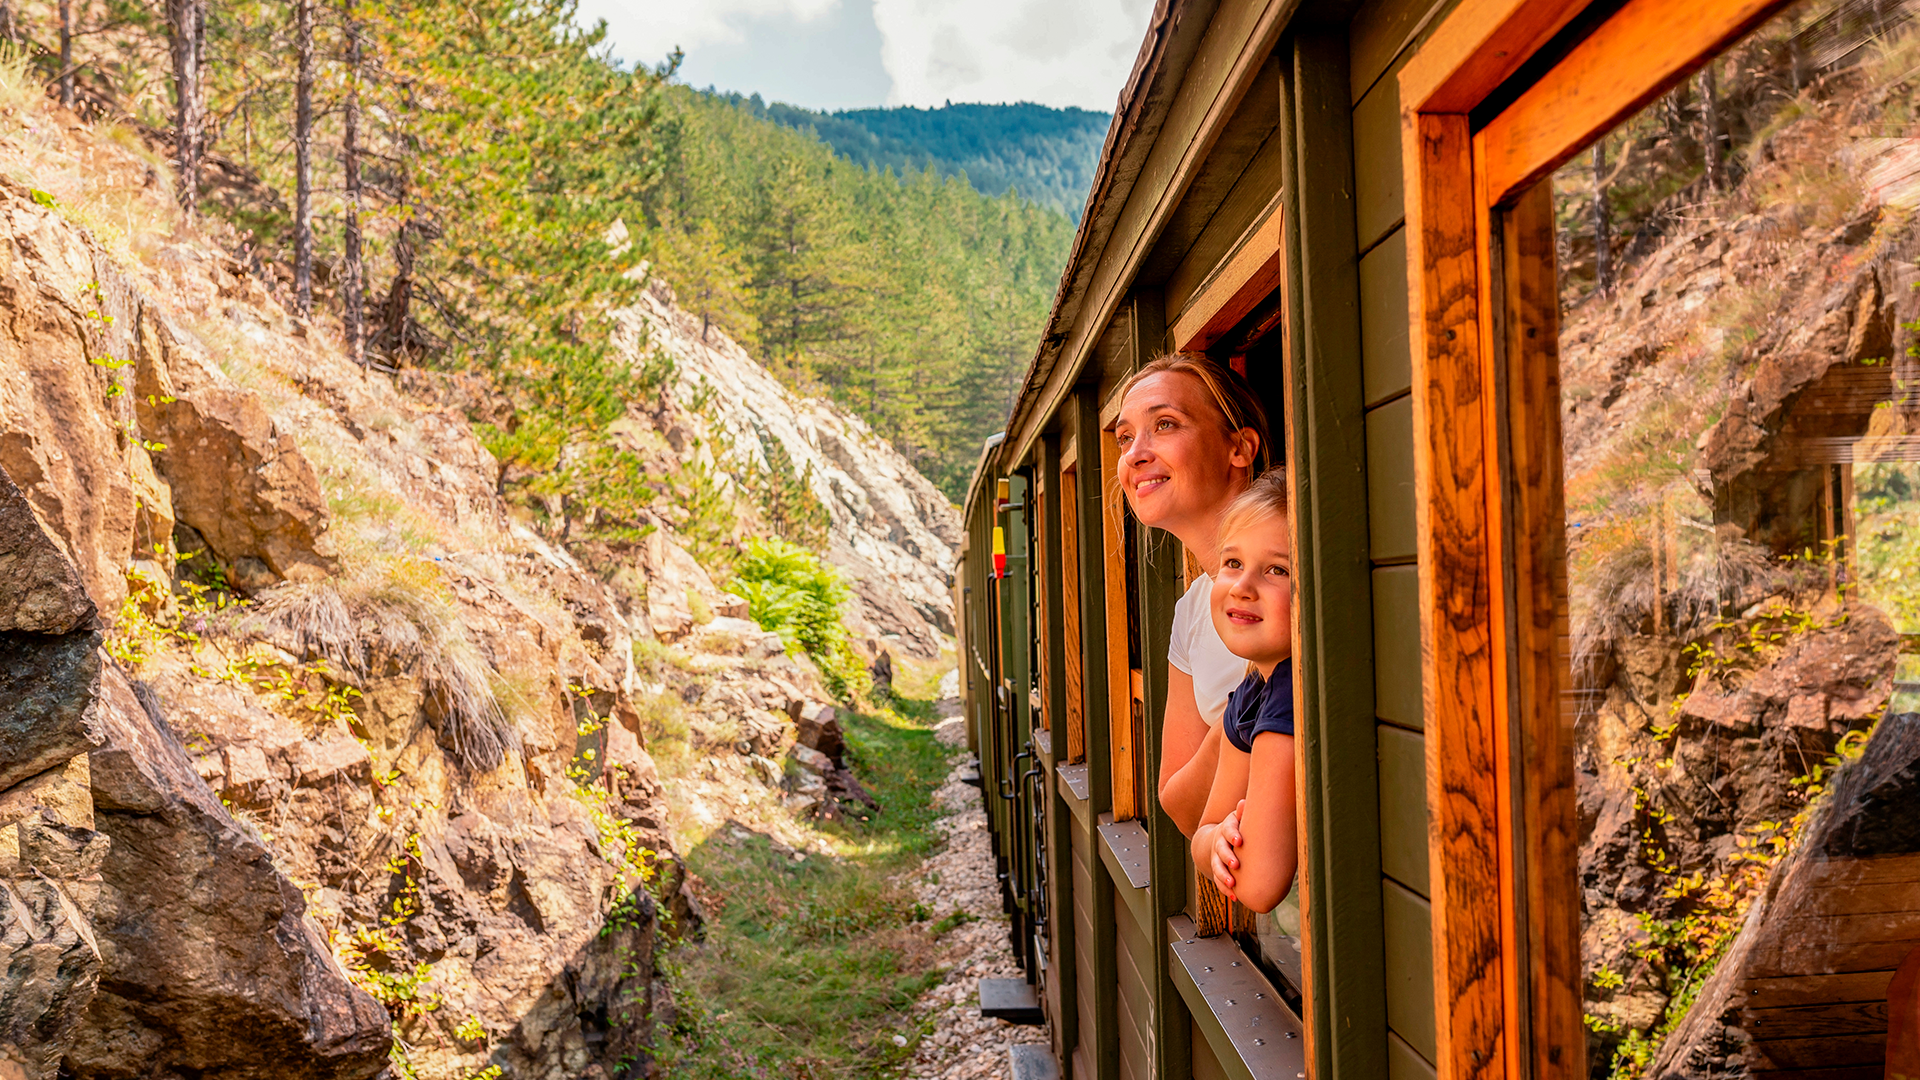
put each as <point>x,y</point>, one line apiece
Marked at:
<point>1267,495</point>
<point>1239,406</point>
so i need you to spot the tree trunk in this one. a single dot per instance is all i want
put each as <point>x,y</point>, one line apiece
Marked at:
<point>66,53</point>
<point>303,159</point>
<point>393,314</point>
<point>1797,54</point>
<point>1710,119</point>
<point>187,25</point>
<point>1602,222</point>
<point>352,284</point>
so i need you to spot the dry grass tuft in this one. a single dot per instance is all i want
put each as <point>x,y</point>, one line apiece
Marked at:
<point>400,612</point>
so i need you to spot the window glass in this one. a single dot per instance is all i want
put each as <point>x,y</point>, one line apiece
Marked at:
<point>1739,358</point>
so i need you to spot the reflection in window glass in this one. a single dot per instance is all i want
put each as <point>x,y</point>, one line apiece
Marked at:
<point>1740,378</point>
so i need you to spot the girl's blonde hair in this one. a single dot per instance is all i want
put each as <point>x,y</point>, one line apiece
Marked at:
<point>1267,495</point>
<point>1239,406</point>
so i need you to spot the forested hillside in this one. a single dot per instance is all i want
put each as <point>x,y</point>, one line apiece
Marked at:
<point>1047,155</point>
<point>912,299</point>
<point>464,187</point>
<point>431,622</point>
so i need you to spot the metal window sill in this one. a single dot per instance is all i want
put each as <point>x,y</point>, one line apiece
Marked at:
<point>1250,1029</point>
<point>1128,856</point>
<point>1075,786</point>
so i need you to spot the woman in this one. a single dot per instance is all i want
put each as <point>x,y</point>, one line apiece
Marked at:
<point>1192,434</point>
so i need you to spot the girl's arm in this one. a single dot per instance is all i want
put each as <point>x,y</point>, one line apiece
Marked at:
<point>1269,850</point>
<point>1188,754</point>
<point>1213,842</point>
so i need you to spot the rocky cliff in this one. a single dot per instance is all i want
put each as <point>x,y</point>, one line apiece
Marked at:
<point>892,534</point>
<point>316,758</point>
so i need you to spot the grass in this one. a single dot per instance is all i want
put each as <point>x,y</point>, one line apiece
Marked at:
<point>810,968</point>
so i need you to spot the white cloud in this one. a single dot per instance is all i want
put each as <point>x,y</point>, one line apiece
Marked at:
<point>647,30</point>
<point>1055,52</point>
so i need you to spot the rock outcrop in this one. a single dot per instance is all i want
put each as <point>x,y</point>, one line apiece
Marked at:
<point>892,534</point>
<point>51,669</point>
<point>358,770</point>
<point>232,473</point>
<point>201,935</point>
<point>317,758</point>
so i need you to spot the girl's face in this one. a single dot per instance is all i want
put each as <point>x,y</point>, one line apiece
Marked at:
<point>1179,464</point>
<point>1252,597</point>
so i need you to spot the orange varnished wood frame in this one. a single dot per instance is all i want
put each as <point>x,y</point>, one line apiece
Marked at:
<point>1490,497</point>
<point>1113,546</point>
<point>1250,276</point>
<point>1076,747</point>
<point>1043,630</point>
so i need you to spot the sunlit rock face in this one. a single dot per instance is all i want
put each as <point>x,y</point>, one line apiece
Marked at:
<point>892,534</point>
<point>1738,311</point>
<point>51,715</point>
<point>326,782</point>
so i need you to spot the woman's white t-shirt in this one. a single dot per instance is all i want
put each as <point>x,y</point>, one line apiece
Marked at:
<point>1197,650</point>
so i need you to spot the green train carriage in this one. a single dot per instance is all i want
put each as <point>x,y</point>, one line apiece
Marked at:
<point>1373,211</point>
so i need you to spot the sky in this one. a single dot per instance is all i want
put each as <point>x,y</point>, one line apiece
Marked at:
<point>845,54</point>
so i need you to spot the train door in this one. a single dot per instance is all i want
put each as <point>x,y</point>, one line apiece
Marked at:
<point>1664,256</point>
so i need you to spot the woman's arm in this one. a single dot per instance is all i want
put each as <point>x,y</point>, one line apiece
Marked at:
<point>1188,754</point>
<point>1269,849</point>
<point>1214,840</point>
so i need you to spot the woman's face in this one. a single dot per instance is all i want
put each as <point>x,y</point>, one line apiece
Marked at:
<point>1179,465</point>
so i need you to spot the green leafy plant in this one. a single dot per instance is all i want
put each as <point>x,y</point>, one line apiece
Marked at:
<point>790,592</point>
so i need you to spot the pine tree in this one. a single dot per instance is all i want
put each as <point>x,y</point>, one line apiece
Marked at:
<point>187,28</point>
<point>352,274</point>
<point>303,156</point>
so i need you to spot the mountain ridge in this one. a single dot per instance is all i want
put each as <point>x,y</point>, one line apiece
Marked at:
<point>1045,154</point>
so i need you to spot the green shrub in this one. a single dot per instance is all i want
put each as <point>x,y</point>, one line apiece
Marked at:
<point>790,592</point>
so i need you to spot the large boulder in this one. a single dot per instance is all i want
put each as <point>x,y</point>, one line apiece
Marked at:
<point>50,856</point>
<point>235,476</point>
<point>212,969</point>
<point>65,409</point>
<point>40,590</point>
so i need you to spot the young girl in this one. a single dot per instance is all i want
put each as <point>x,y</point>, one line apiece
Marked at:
<point>1245,841</point>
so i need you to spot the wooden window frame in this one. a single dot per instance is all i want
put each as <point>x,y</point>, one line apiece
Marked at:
<point>1489,496</point>
<point>1122,703</point>
<point>1256,270</point>
<point>1070,615</point>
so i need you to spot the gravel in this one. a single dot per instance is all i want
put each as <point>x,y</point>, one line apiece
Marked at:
<point>961,1044</point>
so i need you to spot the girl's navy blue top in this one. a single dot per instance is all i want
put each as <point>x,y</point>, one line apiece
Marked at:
<point>1258,705</point>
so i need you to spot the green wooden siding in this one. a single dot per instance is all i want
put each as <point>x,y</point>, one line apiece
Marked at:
<point>1380,39</point>
<point>1405,1063</point>
<point>1390,480</point>
<point>1383,333</point>
<point>1396,646</point>
<point>1409,924</point>
<point>1377,37</point>
<point>1379,192</point>
<point>1134,956</point>
<point>1403,808</point>
<point>1205,1065</point>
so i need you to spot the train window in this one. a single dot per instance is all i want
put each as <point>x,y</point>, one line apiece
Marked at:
<point>1076,721</point>
<point>1041,662</point>
<point>1125,706</point>
<point>1730,278</point>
